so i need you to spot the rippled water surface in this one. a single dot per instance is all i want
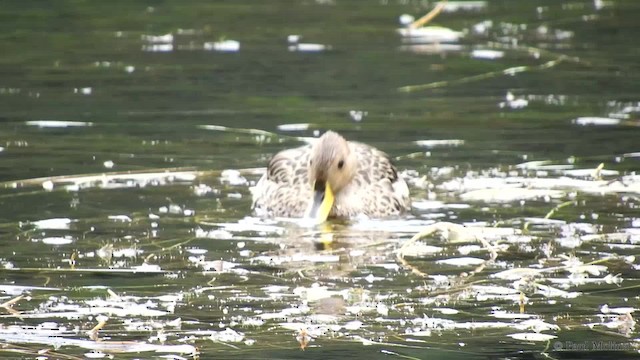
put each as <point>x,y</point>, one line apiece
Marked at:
<point>131,132</point>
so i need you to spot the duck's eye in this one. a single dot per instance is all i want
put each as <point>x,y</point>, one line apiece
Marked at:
<point>340,164</point>
<point>310,162</point>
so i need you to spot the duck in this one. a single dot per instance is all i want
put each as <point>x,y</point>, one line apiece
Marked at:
<point>331,178</point>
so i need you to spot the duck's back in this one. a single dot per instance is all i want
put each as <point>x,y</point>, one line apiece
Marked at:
<point>376,190</point>
<point>284,190</point>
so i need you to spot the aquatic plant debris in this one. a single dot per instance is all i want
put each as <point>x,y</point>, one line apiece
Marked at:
<point>57,123</point>
<point>596,121</point>
<point>227,46</point>
<point>425,36</point>
<point>110,180</point>
<point>436,143</point>
<point>488,75</point>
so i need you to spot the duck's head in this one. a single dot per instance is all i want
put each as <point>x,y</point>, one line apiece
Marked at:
<point>332,166</point>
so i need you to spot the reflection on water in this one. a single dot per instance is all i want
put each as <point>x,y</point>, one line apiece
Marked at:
<point>130,135</point>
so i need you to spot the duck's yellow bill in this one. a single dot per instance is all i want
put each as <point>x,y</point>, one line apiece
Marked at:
<point>321,203</point>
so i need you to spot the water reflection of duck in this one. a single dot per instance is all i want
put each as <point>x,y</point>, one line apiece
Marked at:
<point>332,177</point>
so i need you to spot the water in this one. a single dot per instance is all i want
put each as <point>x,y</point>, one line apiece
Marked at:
<point>164,247</point>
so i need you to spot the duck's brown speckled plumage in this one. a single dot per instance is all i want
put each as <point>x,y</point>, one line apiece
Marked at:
<point>374,189</point>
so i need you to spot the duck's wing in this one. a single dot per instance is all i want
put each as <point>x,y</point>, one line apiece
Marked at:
<point>290,166</point>
<point>377,184</point>
<point>284,189</point>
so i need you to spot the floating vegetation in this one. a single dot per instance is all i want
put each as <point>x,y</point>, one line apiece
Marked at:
<point>503,36</point>
<point>417,32</point>
<point>430,34</point>
<point>435,143</point>
<point>223,46</point>
<point>597,121</point>
<point>309,47</point>
<point>57,123</point>
<point>487,54</point>
<point>296,46</point>
<point>293,127</point>
<point>106,180</point>
<point>492,74</point>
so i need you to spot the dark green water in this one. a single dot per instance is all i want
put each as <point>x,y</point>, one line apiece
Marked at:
<point>134,104</point>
